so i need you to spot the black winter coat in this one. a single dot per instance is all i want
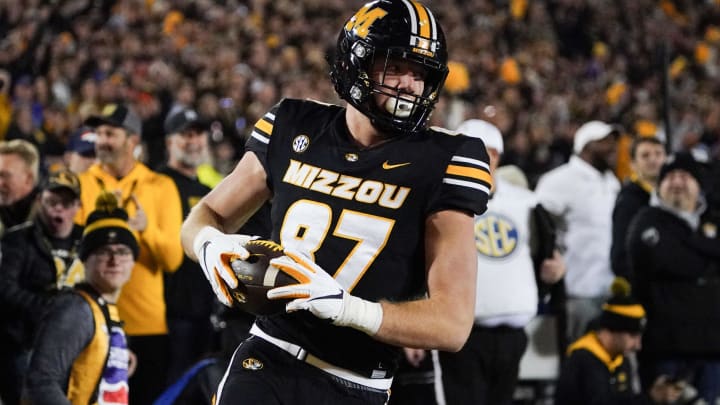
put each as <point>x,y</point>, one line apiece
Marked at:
<point>677,278</point>
<point>28,280</point>
<point>632,197</point>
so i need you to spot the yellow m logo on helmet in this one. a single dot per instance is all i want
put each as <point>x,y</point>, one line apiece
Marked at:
<point>363,19</point>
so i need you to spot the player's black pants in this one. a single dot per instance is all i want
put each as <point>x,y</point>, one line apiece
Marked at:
<point>261,373</point>
<point>485,371</point>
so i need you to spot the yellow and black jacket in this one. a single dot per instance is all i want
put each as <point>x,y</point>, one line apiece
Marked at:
<point>590,376</point>
<point>80,354</point>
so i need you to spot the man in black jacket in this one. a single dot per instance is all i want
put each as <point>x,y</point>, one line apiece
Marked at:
<point>674,253</point>
<point>38,258</point>
<point>647,156</point>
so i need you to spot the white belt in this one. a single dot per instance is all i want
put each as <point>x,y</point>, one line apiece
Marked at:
<point>301,354</point>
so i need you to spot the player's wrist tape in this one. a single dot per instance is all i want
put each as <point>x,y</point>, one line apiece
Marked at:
<point>360,314</point>
<point>204,235</point>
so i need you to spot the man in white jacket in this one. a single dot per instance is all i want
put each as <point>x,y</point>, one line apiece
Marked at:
<point>581,194</point>
<point>485,371</point>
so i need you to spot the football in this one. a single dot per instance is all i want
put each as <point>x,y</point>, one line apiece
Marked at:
<point>256,276</point>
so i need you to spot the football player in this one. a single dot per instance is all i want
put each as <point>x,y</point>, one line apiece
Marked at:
<point>374,210</point>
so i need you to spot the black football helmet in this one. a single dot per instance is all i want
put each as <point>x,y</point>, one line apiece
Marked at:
<point>381,31</point>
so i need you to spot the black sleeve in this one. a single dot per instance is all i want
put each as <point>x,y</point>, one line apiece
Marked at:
<point>13,296</point>
<point>638,257</point>
<point>260,138</point>
<point>466,182</point>
<point>543,243</point>
<point>65,331</point>
<point>623,213</point>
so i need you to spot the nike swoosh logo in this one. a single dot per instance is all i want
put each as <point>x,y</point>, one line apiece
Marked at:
<point>325,297</point>
<point>204,252</point>
<point>387,166</point>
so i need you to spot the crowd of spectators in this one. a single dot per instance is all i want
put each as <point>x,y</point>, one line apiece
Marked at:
<point>536,69</point>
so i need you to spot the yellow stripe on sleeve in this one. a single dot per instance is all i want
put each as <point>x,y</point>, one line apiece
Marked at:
<point>469,172</point>
<point>265,126</point>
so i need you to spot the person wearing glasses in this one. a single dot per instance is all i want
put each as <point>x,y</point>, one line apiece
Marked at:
<point>80,354</point>
<point>153,204</point>
<point>39,257</point>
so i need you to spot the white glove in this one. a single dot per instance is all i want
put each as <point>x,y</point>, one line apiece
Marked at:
<point>215,250</point>
<point>320,293</point>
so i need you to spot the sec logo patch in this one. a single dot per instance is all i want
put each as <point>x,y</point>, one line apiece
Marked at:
<point>300,143</point>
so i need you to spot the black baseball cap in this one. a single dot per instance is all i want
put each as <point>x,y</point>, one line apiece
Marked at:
<point>117,115</point>
<point>182,120</point>
<point>63,179</point>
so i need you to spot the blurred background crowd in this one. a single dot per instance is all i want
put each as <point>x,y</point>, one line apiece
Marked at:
<point>537,70</point>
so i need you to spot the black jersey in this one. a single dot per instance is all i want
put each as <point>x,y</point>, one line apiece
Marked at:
<point>360,214</point>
